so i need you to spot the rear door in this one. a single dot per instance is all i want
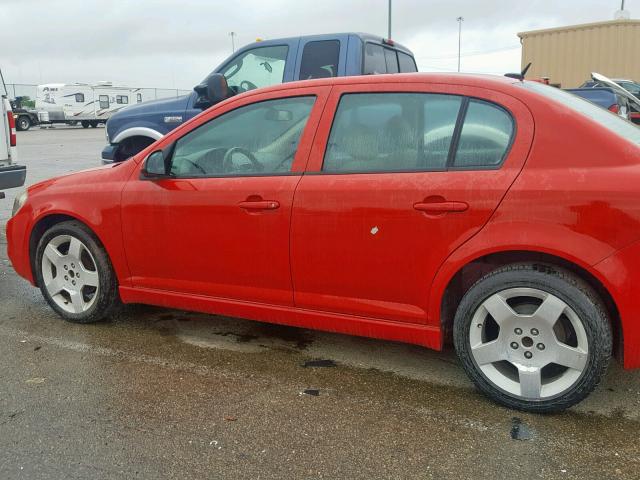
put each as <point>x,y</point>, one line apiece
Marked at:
<point>398,178</point>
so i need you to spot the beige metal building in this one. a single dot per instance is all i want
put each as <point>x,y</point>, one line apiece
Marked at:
<point>568,55</point>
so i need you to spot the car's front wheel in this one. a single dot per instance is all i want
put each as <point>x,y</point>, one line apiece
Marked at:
<point>533,338</point>
<point>74,273</point>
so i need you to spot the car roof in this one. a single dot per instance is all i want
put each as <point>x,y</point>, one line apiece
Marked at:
<point>476,80</point>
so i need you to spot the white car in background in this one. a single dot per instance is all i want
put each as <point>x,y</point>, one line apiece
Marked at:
<point>11,175</point>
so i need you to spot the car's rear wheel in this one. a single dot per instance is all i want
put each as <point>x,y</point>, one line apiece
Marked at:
<point>74,273</point>
<point>533,338</point>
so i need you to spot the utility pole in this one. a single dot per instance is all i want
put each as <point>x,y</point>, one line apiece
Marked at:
<point>233,43</point>
<point>389,32</point>
<point>460,20</point>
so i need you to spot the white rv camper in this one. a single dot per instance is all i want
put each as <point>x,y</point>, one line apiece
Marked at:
<point>80,102</point>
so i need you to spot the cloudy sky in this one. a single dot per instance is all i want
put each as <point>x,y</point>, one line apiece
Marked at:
<point>174,44</point>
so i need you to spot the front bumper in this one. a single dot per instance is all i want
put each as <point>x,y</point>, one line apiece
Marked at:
<point>621,273</point>
<point>18,244</point>
<point>109,153</point>
<point>12,176</point>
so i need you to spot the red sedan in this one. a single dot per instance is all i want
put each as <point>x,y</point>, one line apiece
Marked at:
<point>499,214</point>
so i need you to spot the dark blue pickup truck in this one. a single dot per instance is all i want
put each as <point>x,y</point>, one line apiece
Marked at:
<point>258,65</point>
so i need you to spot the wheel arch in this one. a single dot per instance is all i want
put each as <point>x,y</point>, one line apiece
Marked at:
<point>43,224</point>
<point>473,269</point>
<point>137,132</point>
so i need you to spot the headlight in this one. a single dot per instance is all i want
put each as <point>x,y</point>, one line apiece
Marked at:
<point>19,202</point>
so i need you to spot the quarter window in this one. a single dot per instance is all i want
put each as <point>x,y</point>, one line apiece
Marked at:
<point>374,61</point>
<point>79,97</point>
<point>256,68</point>
<point>104,101</point>
<point>387,132</point>
<point>320,59</point>
<point>257,139</point>
<point>485,136</point>
<point>407,63</point>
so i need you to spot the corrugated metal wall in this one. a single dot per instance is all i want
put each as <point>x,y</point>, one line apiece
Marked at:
<point>569,55</point>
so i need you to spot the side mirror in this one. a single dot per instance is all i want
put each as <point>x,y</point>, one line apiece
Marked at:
<point>212,90</point>
<point>155,166</point>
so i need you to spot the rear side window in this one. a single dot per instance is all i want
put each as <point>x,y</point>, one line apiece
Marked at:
<point>485,136</point>
<point>407,63</point>
<point>374,60</point>
<point>391,60</point>
<point>104,101</point>
<point>392,132</point>
<point>320,59</point>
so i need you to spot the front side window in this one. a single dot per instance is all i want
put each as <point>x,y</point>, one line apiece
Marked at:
<point>374,61</point>
<point>320,59</point>
<point>79,97</point>
<point>485,136</point>
<point>392,132</point>
<point>256,68</point>
<point>257,139</point>
<point>407,63</point>
<point>104,101</point>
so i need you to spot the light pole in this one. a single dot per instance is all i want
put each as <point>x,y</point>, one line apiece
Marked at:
<point>233,43</point>
<point>389,34</point>
<point>460,20</point>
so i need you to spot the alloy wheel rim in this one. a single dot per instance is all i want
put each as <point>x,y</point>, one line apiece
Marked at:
<point>70,274</point>
<point>529,343</point>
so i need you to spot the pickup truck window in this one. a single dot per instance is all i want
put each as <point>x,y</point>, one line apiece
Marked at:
<point>320,59</point>
<point>256,68</point>
<point>257,139</point>
<point>391,60</point>
<point>374,61</point>
<point>407,63</point>
<point>392,132</point>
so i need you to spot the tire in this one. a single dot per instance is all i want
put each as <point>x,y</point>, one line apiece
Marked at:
<point>94,124</point>
<point>23,124</point>
<point>519,356</point>
<point>85,124</point>
<point>80,272</point>
<point>130,147</point>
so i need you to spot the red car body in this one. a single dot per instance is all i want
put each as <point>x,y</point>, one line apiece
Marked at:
<point>350,253</point>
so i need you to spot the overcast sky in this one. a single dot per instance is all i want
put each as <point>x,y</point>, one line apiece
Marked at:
<point>174,44</point>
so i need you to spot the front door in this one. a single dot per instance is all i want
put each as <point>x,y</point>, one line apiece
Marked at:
<point>220,227</point>
<point>400,176</point>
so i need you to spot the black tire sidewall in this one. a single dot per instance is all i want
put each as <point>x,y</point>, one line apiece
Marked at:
<point>107,292</point>
<point>564,286</point>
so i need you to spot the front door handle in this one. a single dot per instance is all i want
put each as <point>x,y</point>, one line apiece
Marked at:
<point>438,208</point>
<point>259,205</point>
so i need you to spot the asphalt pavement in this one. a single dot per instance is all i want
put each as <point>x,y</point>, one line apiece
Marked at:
<point>157,393</point>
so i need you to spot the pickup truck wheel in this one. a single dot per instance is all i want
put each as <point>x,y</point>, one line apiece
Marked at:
<point>533,337</point>
<point>74,273</point>
<point>23,124</point>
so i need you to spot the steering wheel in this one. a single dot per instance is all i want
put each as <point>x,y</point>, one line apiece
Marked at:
<point>227,161</point>
<point>246,85</point>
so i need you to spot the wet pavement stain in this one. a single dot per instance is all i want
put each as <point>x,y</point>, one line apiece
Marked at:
<point>520,431</point>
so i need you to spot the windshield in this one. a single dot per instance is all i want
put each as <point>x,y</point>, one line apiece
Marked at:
<point>256,68</point>
<point>605,118</point>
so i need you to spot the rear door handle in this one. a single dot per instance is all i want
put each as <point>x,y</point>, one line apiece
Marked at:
<point>259,205</point>
<point>436,208</point>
